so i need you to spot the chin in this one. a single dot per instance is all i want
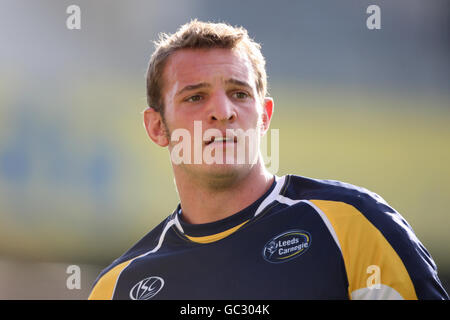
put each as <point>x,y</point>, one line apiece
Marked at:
<point>220,175</point>
<point>223,169</point>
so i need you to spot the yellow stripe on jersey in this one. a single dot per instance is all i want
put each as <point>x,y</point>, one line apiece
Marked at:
<point>104,288</point>
<point>363,246</point>
<point>217,236</point>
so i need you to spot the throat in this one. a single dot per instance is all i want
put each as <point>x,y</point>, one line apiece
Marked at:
<point>206,205</point>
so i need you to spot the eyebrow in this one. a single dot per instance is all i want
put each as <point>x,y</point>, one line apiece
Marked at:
<point>238,83</point>
<point>207,85</point>
<point>193,87</point>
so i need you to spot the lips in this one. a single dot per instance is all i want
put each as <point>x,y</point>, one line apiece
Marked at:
<point>221,139</point>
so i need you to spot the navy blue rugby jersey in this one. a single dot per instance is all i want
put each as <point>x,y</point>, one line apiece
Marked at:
<point>303,239</point>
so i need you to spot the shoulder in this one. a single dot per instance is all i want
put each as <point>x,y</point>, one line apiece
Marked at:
<point>344,200</point>
<point>352,208</point>
<point>103,287</point>
<point>344,203</point>
<point>369,232</point>
<point>299,187</point>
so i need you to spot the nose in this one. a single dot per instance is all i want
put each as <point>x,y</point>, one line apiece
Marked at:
<point>221,109</point>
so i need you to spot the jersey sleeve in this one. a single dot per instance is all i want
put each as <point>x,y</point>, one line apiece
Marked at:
<point>105,285</point>
<point>383,257</point>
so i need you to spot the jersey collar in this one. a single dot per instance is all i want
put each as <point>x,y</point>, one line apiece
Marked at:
<point>209,232</point>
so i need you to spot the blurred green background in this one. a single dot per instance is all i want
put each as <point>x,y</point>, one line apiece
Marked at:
<point>80,182</point>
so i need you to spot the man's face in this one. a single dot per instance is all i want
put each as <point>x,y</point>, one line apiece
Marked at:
<point>216,89</point>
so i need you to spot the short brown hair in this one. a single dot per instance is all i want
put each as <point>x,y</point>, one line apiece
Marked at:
<point>201,35</point>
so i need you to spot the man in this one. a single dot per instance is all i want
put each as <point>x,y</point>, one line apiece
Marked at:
<point>239,232</point>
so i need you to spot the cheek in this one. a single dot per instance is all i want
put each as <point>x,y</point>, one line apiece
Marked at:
<point>253,117</point>
<point>180,127</point>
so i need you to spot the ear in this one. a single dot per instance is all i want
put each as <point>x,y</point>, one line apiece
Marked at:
<point>268,106</point>
<point>155,127</point>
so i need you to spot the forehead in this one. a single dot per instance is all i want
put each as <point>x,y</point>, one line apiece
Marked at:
<point>190,66</point>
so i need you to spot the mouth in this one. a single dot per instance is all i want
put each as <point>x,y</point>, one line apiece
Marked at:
<point>221,140</point>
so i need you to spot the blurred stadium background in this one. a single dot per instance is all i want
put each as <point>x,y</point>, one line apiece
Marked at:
<point>80,182</point>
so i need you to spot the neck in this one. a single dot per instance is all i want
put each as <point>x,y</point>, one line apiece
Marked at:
<point>206,200</point>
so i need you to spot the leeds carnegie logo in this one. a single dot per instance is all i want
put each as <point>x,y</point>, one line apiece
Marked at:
<point>287,246</point>
<point>146,288</point>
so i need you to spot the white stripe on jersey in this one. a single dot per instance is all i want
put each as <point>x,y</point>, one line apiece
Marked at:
<point>272,196</point>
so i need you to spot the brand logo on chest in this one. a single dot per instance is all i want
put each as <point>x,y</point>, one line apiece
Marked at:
<point>146,288</point>
<point>287,246</point>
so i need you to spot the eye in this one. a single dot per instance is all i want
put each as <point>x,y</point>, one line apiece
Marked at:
<point>194,98</point>
<point>240,95</point>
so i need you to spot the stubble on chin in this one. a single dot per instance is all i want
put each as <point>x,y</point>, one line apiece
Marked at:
<point>216,179</point>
